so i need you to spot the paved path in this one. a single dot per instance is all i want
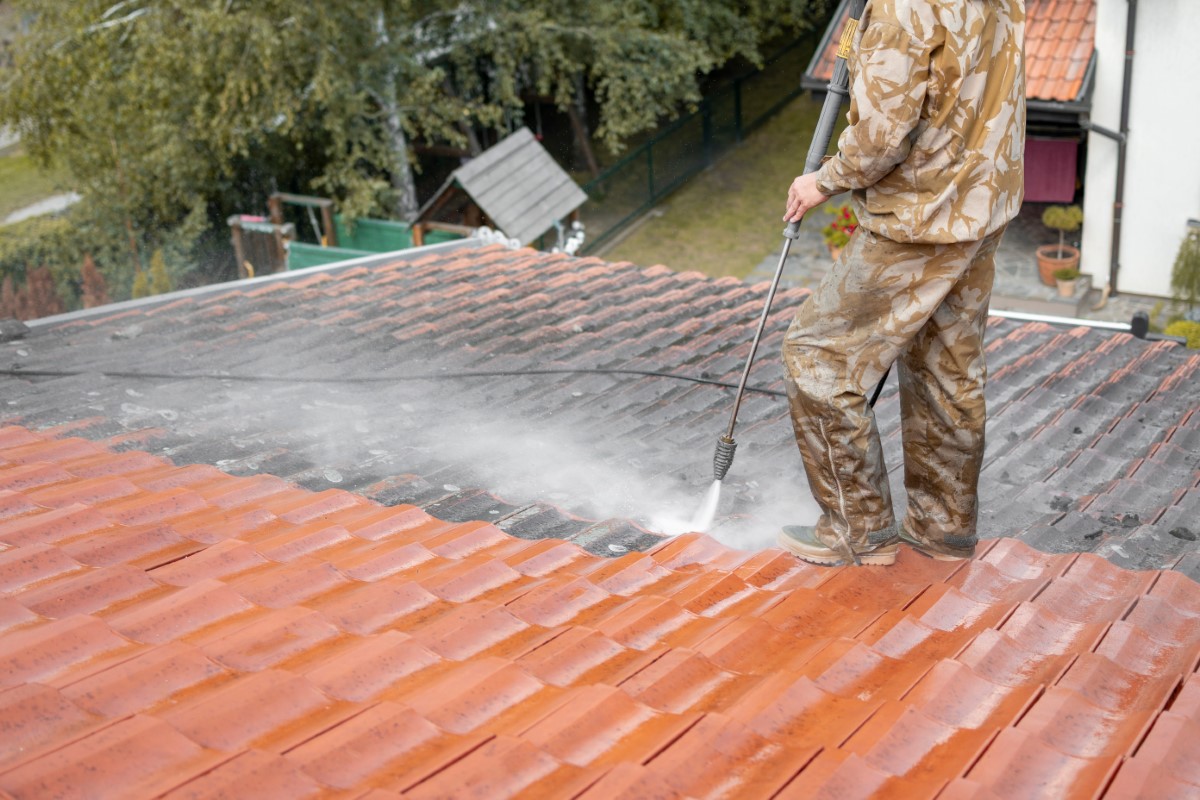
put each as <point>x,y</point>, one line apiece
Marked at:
<point>50,205</point>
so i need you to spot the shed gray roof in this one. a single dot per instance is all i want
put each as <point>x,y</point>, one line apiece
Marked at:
<point>519,185</point>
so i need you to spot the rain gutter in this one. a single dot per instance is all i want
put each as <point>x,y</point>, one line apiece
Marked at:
<point>1121,137</point>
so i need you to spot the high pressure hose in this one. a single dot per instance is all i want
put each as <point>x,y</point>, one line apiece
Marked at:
<point>356,379</point>
<point>838,90</point>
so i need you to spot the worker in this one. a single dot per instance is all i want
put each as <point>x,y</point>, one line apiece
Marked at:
<point>933,156</point>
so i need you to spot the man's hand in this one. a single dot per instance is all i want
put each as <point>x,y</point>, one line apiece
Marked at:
<point>802,196</point>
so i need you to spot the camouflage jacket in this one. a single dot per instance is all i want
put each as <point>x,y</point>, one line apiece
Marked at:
<point>934,150</point>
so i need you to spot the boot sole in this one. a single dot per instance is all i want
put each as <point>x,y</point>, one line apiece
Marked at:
<point>934,554</point>
<point>826,558</point>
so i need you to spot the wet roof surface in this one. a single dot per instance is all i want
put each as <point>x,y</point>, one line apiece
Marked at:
<point>174,630</point>
<point>1093,436</point>
<point>1060,38</point>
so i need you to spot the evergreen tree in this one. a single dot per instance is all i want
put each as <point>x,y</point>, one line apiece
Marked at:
<point>43,296</point>
<point>141,286</point>
<point>160,281</point>
<point>95,289</point>
<point>10,302</point>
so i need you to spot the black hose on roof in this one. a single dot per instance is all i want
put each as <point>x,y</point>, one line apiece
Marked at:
<point>428,376</point>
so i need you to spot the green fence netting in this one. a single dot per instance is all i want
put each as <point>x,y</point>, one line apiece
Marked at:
<point>302,254</point>
<point>362,238</point>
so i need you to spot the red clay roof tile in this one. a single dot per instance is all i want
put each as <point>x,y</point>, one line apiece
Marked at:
<point>354,648</point>
<point>35,718</point>
<point>146,682</point>
<point>136,757</point>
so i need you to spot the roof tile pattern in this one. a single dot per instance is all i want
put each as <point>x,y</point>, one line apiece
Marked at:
<point>1060,38</point>
<point>1093,437</point>
<point>180,632</point>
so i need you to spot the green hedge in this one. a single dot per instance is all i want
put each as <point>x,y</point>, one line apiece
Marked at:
<point>60,243</point>
<point>1187,329</point>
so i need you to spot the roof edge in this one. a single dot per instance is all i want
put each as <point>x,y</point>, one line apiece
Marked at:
<point>374,259</point>
<point>809,77</point>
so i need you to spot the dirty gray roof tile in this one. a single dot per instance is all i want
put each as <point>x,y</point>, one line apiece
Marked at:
<point>1088,429</point>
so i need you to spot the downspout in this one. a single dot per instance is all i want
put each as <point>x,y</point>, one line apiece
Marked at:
<point>1122,139</point>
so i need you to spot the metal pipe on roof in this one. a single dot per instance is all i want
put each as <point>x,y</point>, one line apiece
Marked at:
<point>1139,326</point>
<point>1022,316</point>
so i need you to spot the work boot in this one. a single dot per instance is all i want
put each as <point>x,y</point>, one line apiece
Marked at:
<point>802,542</point>
<point>938,552</point>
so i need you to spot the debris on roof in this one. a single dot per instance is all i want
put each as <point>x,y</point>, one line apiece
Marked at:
<point>517,184</point>
<point>1060,40</point>
<point>12,329</point>
<point>177,631</point>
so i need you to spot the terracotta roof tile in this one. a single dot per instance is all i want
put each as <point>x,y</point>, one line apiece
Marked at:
<point>1059,44</point>
<point>458,659</point>
<point>137,757</point>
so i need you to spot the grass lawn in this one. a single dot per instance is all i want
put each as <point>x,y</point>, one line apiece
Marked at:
<point>23,181</point>
<point>725,220</point>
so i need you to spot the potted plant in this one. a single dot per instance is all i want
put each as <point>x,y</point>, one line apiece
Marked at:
<point>1065,280</point>
<point>1051,257</point>
<point>837,233</point>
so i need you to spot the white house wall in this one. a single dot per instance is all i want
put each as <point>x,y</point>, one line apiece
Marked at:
<point>1162,174</point>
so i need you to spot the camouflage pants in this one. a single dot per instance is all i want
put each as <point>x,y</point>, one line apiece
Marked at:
<point>925,306</point>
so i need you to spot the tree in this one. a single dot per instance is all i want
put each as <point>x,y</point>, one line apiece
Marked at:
<point>172,114</point>
<point>141,285</point>
<point>95,289</point>
<point>160,281</point>
<point>43,295</point>
<point>164,110</point>
<point>641,58</point>
<point>1185,274</point>
<point>10,300</point>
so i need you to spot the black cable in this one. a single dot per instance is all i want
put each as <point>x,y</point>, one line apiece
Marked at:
<point>430,376</point>
<point>879,388</point>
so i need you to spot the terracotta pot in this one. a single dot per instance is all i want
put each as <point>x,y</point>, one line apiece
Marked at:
<point>1048,261</point>
<point>834,252</point>
<point>1066,288</point>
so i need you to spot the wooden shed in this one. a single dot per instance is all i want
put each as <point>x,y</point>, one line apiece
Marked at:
<point>515,186</point>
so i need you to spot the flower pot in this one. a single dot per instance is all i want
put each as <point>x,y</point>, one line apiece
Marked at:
<point>1048,261</point>
<point>834,251</point>
<point>1066,288</point>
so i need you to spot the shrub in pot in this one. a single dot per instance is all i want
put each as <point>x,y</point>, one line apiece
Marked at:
<point>1051,257</point>
<point>1065,280</point>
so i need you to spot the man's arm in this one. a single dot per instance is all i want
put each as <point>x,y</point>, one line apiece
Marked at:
<point>887,95</point>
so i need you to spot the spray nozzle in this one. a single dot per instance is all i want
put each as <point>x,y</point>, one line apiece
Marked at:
<point>723,458</point>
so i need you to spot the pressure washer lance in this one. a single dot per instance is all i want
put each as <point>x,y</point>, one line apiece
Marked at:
<point>837,92</point>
